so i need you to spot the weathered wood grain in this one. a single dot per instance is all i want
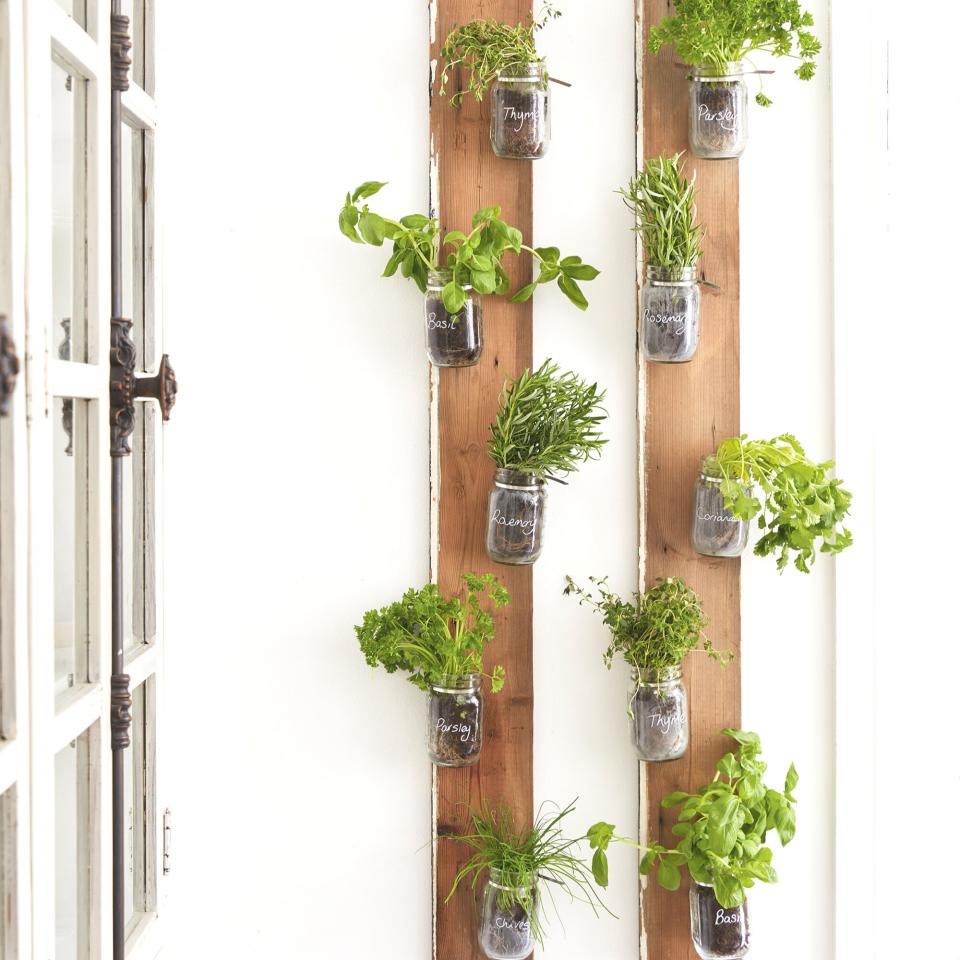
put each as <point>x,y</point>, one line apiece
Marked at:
<point>467,176</point>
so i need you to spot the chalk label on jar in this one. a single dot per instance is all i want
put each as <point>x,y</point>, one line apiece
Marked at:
<point>527,526</point>
<point>718,517</point>
<point>726,118</point>
<point>502,923</point>
<point>519,117</point>
<point>662,319</point>
<point>464,729</point>
<point>664,721</point>
<point>448,323</point>
<point>724,917</point>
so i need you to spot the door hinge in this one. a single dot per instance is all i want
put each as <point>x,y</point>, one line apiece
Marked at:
<point>166,841</point>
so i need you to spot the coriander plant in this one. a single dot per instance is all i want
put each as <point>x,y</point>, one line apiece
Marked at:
<point>487,48</point>
<point>657,630</point>
<point>474,258</point>
<point>547,424</point>
<point>662,201</point>
<point>523,856</point>
<point>802,507</point>
<point>718,32</point>
<point>431,637</point>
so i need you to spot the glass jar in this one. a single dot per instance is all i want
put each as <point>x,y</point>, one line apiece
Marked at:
<point>670,311</point>
<point>505,932</point>
<point>660,722</point>
<point>520,113</point>
<point>716,532</point>
<point>453,339</point>
<point>718,933</point>
<point>455,721</point>
<point>515,517</point>
<point>718,111</point>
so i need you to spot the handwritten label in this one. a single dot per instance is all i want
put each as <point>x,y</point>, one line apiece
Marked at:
<point>724,917</point>
<point>718,517</point>
<point>466,730</point>
<point>521,926</point>
<point>528,527</point>
<point>679,320</point>
<point>448,323</point>
<point>726,118</point>
<point>665,721</point>
<point>520,117</point>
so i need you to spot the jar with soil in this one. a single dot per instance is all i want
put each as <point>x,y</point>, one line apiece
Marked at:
<point>718,111</point>
<point>455,721</point>
<point>515,517</point>
<point>660,722</point>
<point>453,339</point>
<point>520,113</point>
<point>670,311</point>
<point>716,532</point>
<point>718,933</point>
<point>505,932</point>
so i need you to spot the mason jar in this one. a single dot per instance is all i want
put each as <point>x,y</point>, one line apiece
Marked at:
<point>520,113</point>
<point>515,517</point>
<point>716,532</point>
<point>505,931</point>
<point>718,933</point>
<point>660,721</point>
<point>670,313</point>
<point>455,721</point>
<point>453,339</point>
<point>718,111</point>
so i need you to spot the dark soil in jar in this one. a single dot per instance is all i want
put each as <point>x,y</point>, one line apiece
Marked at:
<point>507,934</point>
<point>515,532</point>
<point>723,932</point>
<point>718,119</point>
<point>671,327</point>
<point>716,532</point>
<point>453,339</point>
<point>456,728</point>
<point>520,121</point>
<point>660,724</point>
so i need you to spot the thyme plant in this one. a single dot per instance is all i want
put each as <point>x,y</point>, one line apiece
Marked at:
<point>486,48</point>
<point>802,507</point>
<point>474,258</point>
<point>547,424</point>
<point>431,637</point>
<point>718,32</point>
<point>654,632</point>
<point>525,855</point>
<point>662,201</point>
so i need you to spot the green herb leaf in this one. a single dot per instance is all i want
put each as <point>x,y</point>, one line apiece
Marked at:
<point>367,189</point>
<point>372,228</point>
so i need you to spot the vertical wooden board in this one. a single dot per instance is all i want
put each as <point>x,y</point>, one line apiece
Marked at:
<point>690,408</point>
<point>468,176</point>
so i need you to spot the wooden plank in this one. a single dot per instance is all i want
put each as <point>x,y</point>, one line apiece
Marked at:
<point>467,176</point>
<point>690,408</point>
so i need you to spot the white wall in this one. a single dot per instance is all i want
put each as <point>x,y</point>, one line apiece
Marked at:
<point>296,472</point>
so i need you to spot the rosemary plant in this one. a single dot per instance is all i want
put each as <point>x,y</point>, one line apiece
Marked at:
<point>474,258</point>
<point>718,32</point>
<point>525,856</point>
<point>663,205</point>
<point>431,637</point>
<point>801,507</point>
<point>654,632</point>
<point>486,48</point>
<point>547,423</point>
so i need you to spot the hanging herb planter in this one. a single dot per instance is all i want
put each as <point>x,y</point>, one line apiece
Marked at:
<point>547,424</point>
<point>802,511</point>
<point>440,643</point>
<point>513,863</point>
<point>653,634</point>
<point>662,201</point>
<point>473,268</point>
<point>505,59</point>
<point>718,932</point>
<point>715,38</point>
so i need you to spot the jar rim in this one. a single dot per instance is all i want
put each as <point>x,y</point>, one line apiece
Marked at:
<point>534,70</point>
<point>658,676</point>
<point>729,70</point>
<point>671,276</point>
<point>496,875</point>
<point>516,479</point>
<point>440,278</point>
<point>455,682</point>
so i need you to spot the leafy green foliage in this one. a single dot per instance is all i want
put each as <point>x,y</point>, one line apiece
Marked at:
<point>657,630</point>
<point>525,855</point>
<point>662,201</point>
<point>718,32</point>
<point>547,423</point>
<point>802,506</point>
<point>487,48</point>
<point>723,827</point>
<point>431,637</point>
<point>473,259</point>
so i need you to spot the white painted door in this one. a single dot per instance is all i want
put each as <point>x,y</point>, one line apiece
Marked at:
<point>55,644</point>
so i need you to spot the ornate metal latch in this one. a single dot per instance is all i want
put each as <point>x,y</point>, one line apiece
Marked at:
<point>9,366</point>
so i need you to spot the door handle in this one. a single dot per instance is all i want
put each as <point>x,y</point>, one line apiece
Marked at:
<point>9,366</point>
